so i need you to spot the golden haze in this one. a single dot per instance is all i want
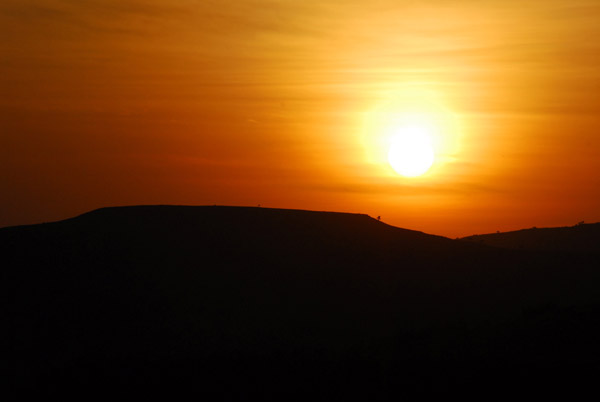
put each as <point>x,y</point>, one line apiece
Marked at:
<point>272,102</point>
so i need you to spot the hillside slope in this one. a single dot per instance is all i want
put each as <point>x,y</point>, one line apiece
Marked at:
<point>582,238</point>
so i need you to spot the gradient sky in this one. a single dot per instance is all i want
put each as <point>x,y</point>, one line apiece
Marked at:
<point>273,102</point>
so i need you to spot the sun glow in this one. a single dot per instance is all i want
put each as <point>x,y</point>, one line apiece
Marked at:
<point>412,135</point>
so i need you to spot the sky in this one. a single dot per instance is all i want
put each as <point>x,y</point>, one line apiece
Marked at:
<point>284,104</point>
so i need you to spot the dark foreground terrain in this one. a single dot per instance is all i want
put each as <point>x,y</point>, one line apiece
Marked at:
<point>232,303</point>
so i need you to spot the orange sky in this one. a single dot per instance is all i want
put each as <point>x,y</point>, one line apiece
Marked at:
<point>272,102</point>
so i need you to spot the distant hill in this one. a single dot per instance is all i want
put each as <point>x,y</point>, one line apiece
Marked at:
<point>582,238</point>
<point>231,303</point>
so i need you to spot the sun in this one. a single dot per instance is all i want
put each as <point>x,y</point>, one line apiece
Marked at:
<point>412,135</point>
<point>411,152</point>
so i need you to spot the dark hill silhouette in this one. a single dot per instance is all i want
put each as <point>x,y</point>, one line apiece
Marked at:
<point>234,303</point>
<point>581,238</point>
